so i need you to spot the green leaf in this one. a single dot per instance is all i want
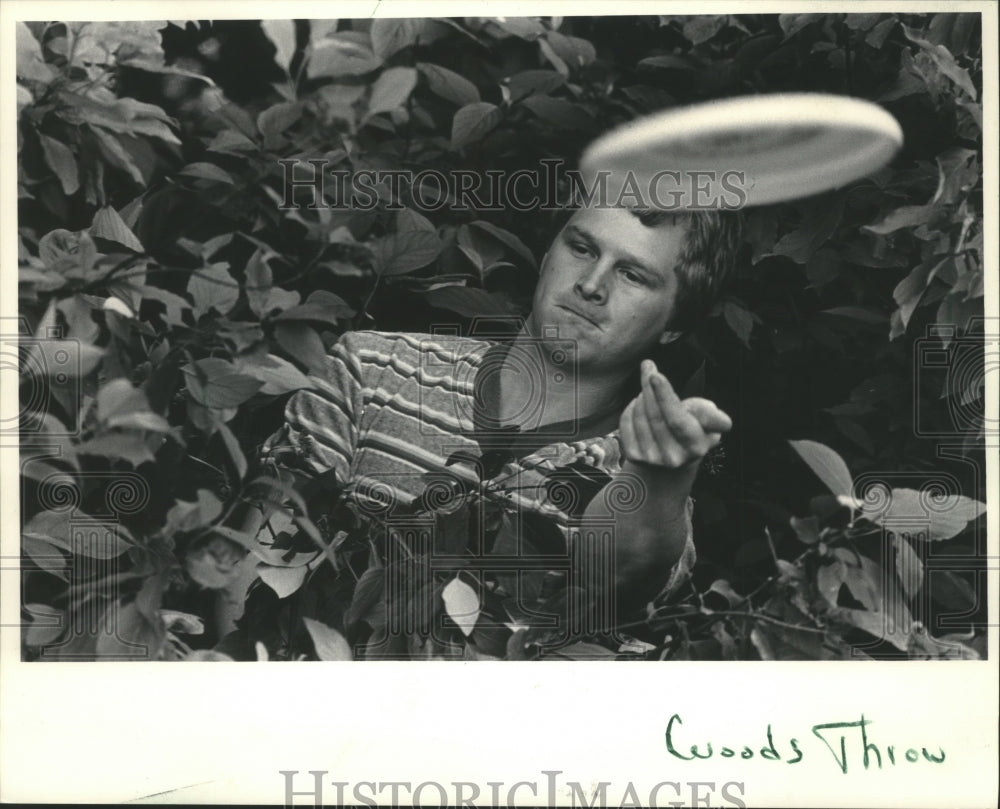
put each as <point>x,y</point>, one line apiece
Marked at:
<point>282,36</point>
<point>329,643</point>
<point>820,220</point>
<point>909,292</point>
<point>368,602</point>
<point>302,343</point>
<point>129,635</point>
<point>207,656</point>
<point>526,28</point>
<point>263,298</point>
<point>461,603</point>
<point>175,304</point>
<point>449,85</point>
<point>392,34</point>
<point>283,580</point>
<point>575,52</point>
<point>339,56</point>
<point>30,62</point>
<point>877,36</point>
<point>47,624</point>
<point>215,563</point>
<point>909,567</point>
<point>874,623</point>
<point>829,578</point>
<point>473,121</point>
<point>109,225</point>
<point>954,31</point>
<point>186,515</point>
<point>559,113</point>
<point>277,375</point>
<point>668,61</point>
<point>791,24</point>
<point>953,591</point>
<point>116,154</point>
<point>649,98</point>
<point>907,216</point>
<point>865,583</point>
<point>130,446</point>
<point>944,515</point>
<point>62,249</point>
<point>229,140</point>
<point>212,287</point>
<point>321,306</point>
<point>24,98</point>
<point>215,383</point>
<point>759,639</point>
<point>508,239</point>
<point>864,314</point>
<point>207,171</point>
<point>391,89</point>
<point>703,27</point>
<point>739,319</point>
<point>725,589</point>
<point>80,534</point>
<point>468,301</point>
<point>945,62</point>
<point>118,398</point>
<point>259,281</point>
<point>527,82</point>
<point>48,554</point>
<point>403,252</point>
<point>828,466</point>
<point>321,29</point>
<point>807,530</point>
<point>61,160</point>
<point>182,622</point>
<point>585,651</point>
<point>409,219</point>
<point>276,120</point>
<point>78,312</point>
<point>235,451</point>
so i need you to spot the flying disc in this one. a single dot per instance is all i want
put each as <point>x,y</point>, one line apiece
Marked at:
<point>738,152</point>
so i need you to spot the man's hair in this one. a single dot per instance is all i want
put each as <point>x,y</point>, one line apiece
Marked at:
<point>712,241</point>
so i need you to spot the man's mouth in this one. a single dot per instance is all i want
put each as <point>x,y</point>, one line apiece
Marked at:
<point>580,315</point>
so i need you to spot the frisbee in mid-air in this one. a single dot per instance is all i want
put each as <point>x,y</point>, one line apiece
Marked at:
<point>738,152</point>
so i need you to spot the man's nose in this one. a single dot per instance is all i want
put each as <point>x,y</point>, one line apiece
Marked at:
<point>592,283</point>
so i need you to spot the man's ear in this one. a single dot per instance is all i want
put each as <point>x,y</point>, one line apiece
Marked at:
<point>669,337</point>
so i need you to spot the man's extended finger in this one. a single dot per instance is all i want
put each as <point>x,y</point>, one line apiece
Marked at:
<point>711,418</point>
<point>650,448</point>
<point>627,429</point>
<point>685,428</point>
<point>657,420</point>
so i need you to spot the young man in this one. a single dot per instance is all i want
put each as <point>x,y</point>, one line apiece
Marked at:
<point>393,408</point>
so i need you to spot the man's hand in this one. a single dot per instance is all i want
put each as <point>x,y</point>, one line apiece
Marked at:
<point>659,429</point>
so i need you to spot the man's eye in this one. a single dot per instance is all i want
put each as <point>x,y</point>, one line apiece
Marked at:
<point>579,249</point>
<point>633,276</point>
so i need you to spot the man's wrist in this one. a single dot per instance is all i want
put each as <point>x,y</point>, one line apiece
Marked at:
<point>664,479</point>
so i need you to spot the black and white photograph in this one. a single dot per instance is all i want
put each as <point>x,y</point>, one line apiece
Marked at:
<point>527,343</point>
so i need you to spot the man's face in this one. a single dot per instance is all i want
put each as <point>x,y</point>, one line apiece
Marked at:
<point>608,283</point>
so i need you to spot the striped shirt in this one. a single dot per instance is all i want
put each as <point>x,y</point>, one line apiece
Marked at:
<point>391,409</point>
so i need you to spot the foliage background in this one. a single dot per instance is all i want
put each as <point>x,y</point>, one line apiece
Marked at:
<point>170,306</point>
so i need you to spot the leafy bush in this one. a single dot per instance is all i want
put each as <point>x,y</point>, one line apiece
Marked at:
<point>170,303</point>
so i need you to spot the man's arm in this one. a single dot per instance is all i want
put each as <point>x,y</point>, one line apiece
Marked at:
<point>664,440</point>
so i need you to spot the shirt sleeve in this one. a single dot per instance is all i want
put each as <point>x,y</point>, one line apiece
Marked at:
<point>681,571</point>
<point>321,423</point>
<point>607,454</point>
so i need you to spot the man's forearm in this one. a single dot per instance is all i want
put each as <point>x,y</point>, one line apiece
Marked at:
<point>649,539</point>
